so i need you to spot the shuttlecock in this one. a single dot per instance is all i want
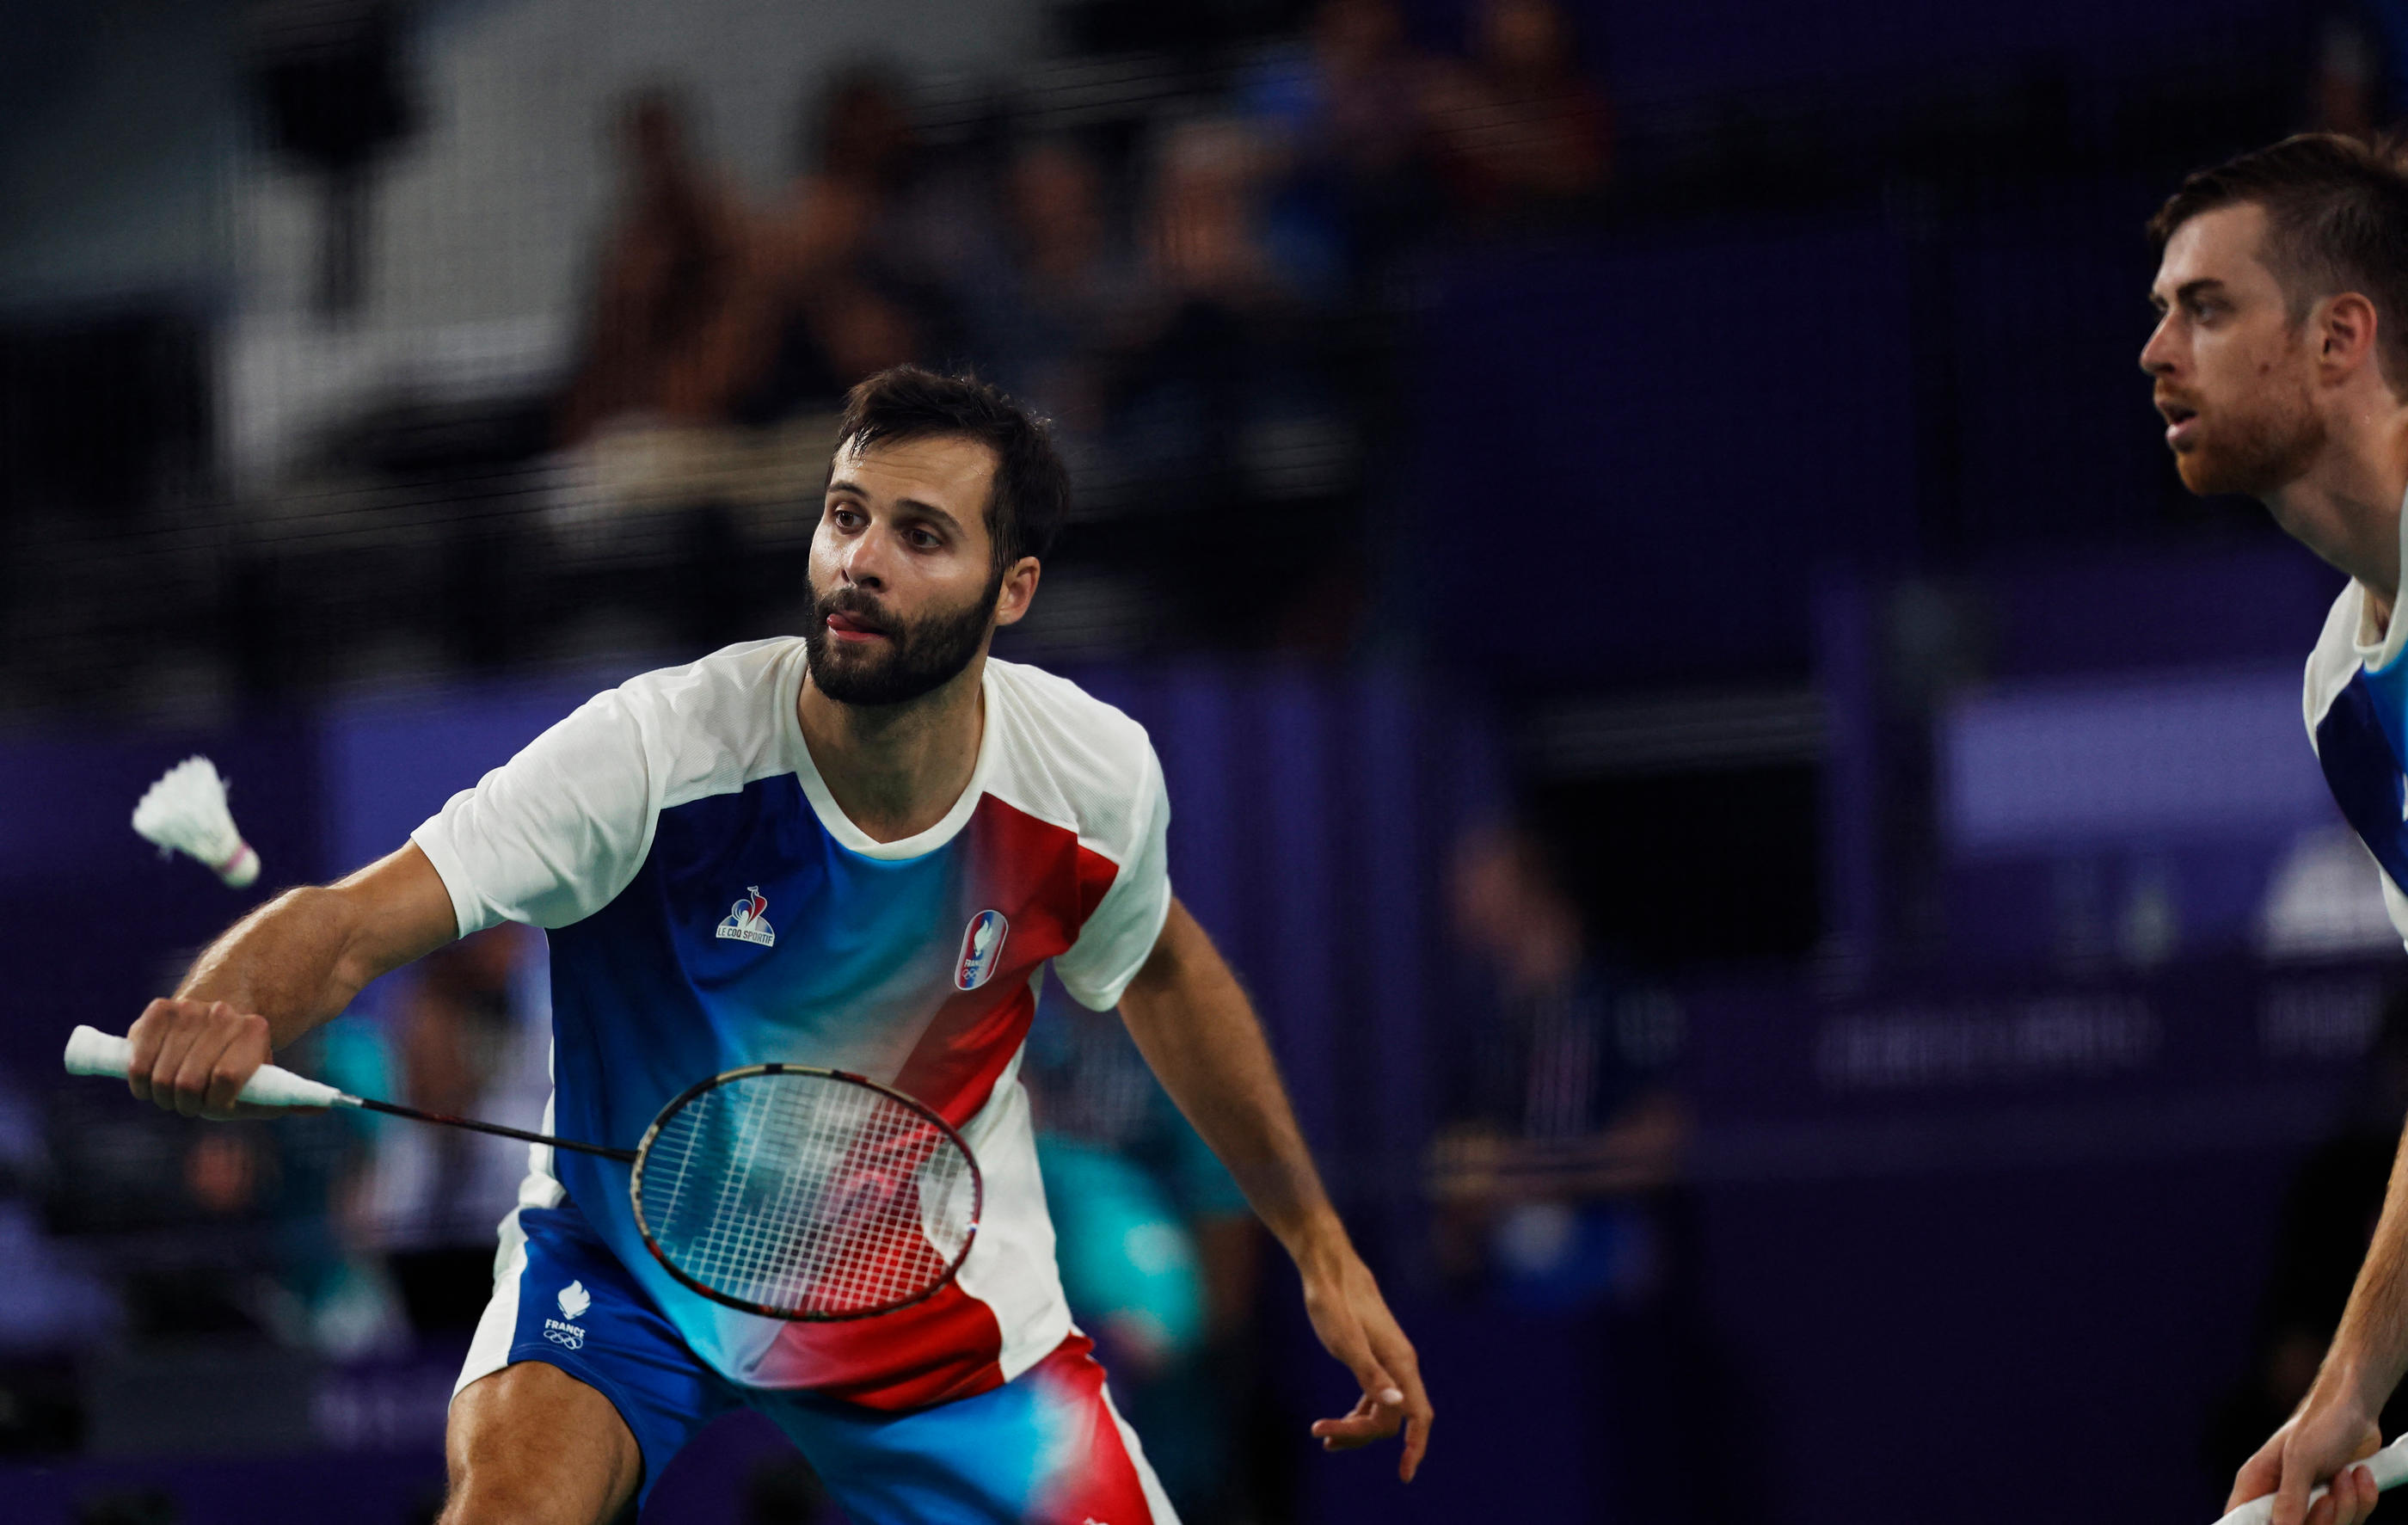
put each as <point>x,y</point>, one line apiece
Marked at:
<point>185,811</point>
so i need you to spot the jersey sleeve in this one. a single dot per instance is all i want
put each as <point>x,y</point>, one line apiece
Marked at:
<point>1116,939</point>
<point>554,834</point>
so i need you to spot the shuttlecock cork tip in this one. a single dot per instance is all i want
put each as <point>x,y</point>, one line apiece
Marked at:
<point>185,811</point>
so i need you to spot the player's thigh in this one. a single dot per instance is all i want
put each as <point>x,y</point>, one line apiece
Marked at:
<point>530,1445</point>
<point>1045,1448</point>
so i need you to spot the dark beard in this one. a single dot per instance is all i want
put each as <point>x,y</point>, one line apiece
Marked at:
<point>918,657</point>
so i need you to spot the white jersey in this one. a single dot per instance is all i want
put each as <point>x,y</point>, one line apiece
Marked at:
<point>2357,709</point>
<point>711,907</point>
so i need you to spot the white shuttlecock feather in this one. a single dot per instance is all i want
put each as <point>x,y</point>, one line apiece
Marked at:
<point>185,811</point>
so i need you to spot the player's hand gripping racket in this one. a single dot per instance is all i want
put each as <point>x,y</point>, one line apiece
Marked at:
<point>2389,1466</point>
<point>777,1189</point>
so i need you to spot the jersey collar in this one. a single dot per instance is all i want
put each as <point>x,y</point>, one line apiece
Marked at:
<point>832,816</point>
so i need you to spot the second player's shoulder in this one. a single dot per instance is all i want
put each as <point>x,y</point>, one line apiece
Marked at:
<point>1063,746</point>
<point>2339,655</point>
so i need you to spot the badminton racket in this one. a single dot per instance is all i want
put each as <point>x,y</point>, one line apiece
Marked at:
<point>2389,1466</point>
<point>781,1189</point>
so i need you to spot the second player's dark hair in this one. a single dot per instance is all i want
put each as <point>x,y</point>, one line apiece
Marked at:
<point>1031,494</point>
<point>2336,221</point>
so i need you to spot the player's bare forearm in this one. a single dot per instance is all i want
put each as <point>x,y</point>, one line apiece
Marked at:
<point>1196,1028</point>
<point>2371,1349</point>
<point>300,958</point>
<point>2335,1425</point>
<point>277,972</point>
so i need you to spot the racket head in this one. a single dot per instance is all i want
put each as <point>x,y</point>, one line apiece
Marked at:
<point>806,1194</point>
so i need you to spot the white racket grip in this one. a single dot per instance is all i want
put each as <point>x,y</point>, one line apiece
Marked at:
<point>93,1052</point>
<point>2389,1466</point>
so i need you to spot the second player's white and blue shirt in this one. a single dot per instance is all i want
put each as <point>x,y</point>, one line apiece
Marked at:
<point>2356,709</point>
<point>710,906</point>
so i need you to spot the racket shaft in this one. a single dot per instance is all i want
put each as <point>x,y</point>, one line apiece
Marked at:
<point>498,1130</point>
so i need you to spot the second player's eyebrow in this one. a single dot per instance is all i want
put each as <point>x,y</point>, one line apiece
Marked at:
<point>2188,290</point>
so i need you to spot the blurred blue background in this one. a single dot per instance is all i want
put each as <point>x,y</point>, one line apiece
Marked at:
<point>1773,841</point>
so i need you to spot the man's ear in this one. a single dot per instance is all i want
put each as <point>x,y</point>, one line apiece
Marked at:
<point>2345,332</point>
<point>1019,590</point>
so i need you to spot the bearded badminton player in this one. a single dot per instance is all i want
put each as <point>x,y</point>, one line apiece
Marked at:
<point>860,849</point>
<point>2280,368</point>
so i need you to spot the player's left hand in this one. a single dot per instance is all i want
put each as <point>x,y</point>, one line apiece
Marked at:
<point>1355,1326</point>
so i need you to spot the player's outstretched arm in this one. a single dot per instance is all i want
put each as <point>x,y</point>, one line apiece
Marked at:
<point>2335,1424</point>
<point>280,971</point>
<point>1196,1028</point>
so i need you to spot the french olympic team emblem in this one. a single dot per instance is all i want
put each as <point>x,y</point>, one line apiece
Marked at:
<point>982,950</point>
<point>746,921</point>
<point>564,1330</point>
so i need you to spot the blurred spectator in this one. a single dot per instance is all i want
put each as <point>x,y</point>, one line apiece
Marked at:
<point>472,1038</point>
<point>1158,1249</point>
<point>1558,1187</point>
<point>1218,349</point>
<point>670,271</point>
<point>1522,133</point>
<point>1346,114</point>
<point>834,291</point>
<point>1567,1114</point>
<point>2327,1220</point>
<point>1044,304</point>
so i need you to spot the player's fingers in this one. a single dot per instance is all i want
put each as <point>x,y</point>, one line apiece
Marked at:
<point>175,1051</point>
<point>1348,1341</point>
<point>1418,1416</point>
<point>217,1041</point>
<point>189,1087</point>
<point>2257,1476</point>
<point>2300,1476</point>
<point>146,1036</point>
<point>245,1051</point>
<point>1396,1353</point>
<point>1369,1421</point>
<point>2367,1495</point>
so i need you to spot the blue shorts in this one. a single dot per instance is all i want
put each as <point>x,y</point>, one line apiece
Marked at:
<point>1045,1447</point>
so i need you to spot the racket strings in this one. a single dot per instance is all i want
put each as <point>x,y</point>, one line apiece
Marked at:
<point>806,1194</point>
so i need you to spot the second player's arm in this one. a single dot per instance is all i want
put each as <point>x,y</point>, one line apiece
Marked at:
<point>281,970</point>
<point>2336,1423</point>
<point>1196,1029</point>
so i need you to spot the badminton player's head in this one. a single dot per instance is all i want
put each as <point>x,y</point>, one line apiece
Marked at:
<point>2283,344</point>
<point>942,496</point>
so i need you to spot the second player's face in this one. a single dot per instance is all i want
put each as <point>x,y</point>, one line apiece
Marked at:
<point>902,582</point>
<point>2235,378</point>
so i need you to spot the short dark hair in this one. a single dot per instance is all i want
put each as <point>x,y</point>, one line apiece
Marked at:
<point>1031,493</point>
<point>2336,221</point>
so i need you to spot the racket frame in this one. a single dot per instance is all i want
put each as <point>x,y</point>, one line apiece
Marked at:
<point>951,1133</point>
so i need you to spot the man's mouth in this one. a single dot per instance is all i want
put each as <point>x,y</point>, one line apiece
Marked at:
<point>2181,422</point>
<point>853,628</point>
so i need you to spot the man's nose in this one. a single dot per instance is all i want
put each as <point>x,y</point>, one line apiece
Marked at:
<point>864,562</point>
<point>2156,356</point>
